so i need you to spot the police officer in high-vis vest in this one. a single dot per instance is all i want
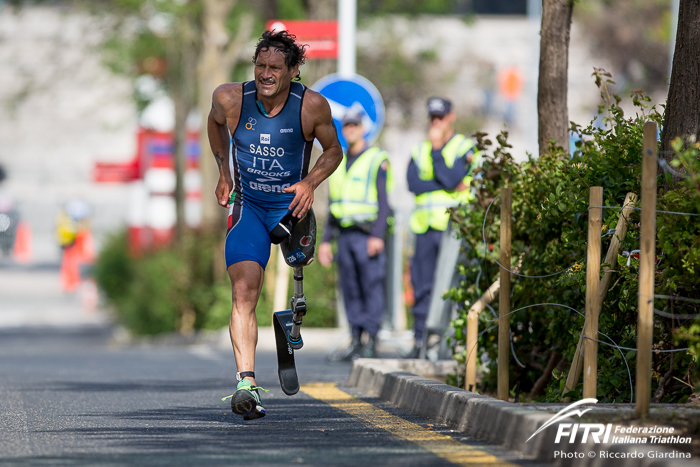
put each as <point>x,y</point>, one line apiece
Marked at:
<point>359,211</point>
<point>439,174</point>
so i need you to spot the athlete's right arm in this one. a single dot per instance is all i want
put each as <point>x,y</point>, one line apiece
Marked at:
<point>224,114</point>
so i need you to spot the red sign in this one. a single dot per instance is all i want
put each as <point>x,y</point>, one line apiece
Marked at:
<point>154,150</point>
<point>106,172</point>
<point>320,36</point>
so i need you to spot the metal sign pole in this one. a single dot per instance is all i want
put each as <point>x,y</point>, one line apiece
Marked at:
<point>347,24</point>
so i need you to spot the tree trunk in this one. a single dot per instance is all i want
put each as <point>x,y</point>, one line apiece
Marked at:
<point>210,75</point>
<point>683,106</point>
<point>546,377</point>
<point>552,109</point>
<point>218,56</point>
<point>182,57</point>
<point>322,9</point>
<point>314,70</point>
<point>180,153</point>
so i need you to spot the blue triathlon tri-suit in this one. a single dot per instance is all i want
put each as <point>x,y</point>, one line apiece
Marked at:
<point>268,154</point>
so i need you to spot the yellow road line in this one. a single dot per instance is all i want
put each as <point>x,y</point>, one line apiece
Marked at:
<point>441,445</point>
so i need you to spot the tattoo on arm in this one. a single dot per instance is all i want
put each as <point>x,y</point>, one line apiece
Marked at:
<point>219,159</point>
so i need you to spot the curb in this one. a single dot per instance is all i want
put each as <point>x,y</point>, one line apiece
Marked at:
<point>502,423</point>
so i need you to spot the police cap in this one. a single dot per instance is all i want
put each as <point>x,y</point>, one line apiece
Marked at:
<point>439,107</point>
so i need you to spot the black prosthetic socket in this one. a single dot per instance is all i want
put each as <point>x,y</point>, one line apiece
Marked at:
<point>298,248</point>
<point>284,229</point>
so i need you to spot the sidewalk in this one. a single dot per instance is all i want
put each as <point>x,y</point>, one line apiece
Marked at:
<point>392,344</point>
<point>512,424</point>
<point>32,296</point>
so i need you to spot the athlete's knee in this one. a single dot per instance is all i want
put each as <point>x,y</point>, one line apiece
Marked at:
<point>246,282</point>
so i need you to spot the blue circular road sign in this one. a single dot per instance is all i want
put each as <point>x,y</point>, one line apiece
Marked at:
<point>355,92</point>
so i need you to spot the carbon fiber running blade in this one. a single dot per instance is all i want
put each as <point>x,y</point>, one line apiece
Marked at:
<point>286,369</point>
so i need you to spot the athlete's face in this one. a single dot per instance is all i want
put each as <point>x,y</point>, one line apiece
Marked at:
<point>272,76</point>
<point>353,133</point>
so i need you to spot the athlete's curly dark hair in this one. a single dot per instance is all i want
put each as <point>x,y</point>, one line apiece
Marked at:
<point>294,54</point>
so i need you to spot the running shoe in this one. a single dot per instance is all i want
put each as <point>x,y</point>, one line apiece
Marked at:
<point>246,401</point>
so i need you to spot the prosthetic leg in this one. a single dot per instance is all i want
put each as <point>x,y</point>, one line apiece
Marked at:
<point>298,250</point>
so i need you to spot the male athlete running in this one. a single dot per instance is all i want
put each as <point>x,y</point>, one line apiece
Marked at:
<point>261,133</point>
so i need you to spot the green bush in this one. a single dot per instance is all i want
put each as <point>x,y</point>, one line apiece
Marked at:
<point>176,288</point>
<point>169,289</point>
<point>550,213</point>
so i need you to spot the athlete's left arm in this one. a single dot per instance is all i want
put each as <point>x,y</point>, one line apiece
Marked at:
<point>317,122</point>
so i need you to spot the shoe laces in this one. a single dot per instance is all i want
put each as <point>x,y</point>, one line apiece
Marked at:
<point>252,388</point>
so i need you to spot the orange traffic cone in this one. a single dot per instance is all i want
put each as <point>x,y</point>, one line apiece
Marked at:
<point>23,244</point>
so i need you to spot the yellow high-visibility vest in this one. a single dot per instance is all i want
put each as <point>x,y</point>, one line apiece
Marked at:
<point>66,229</point>
<point>431,207</point>
<point>353,192</point>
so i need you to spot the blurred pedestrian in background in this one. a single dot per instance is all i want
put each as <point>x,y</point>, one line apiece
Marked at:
<point>359,211</point>
<point>75,239</point>
<point>439,174</point>
<point>510,82</point>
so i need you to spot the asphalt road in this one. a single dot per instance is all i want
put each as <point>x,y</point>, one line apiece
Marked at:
<point>68,398</point>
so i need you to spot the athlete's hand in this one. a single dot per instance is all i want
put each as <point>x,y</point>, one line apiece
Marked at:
<point>325,254</point>
<point>303,198</point>
<point>375,246</point>
<point>223,190</point>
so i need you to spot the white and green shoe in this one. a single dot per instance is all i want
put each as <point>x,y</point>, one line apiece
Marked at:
<point>246,400</point>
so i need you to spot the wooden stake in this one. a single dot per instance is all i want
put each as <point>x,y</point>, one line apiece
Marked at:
<point>590,352</point>
<point>473,332</point>
<point>647,260</point>
<point>611,258</point>
<point>472,350</point>
<point>504,296</point>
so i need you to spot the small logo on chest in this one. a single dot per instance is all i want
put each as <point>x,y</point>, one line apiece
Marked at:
<point>286,130</point>
<point>264,138</point>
